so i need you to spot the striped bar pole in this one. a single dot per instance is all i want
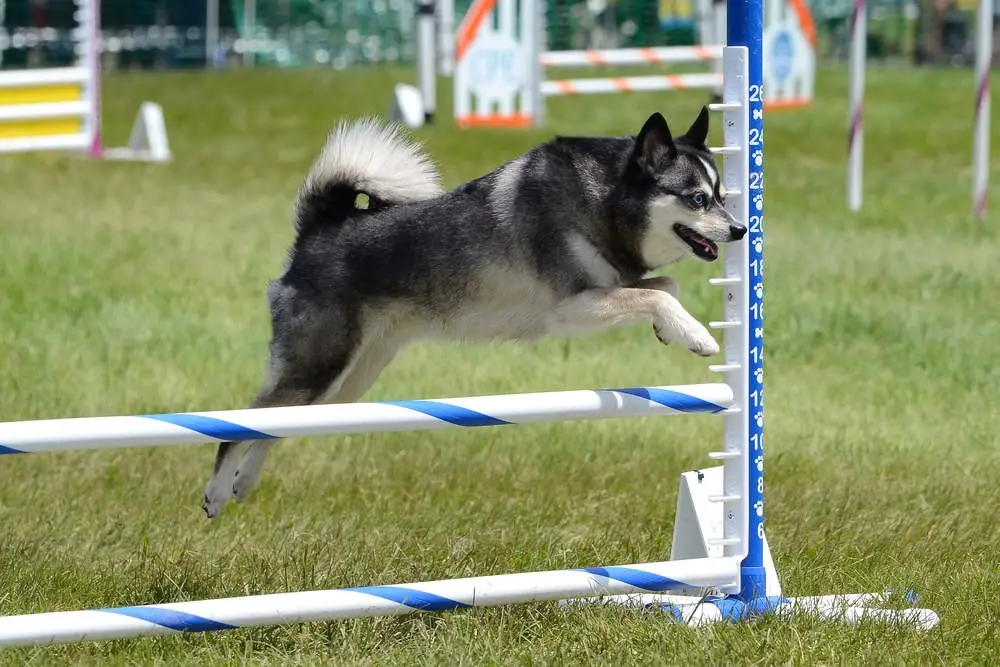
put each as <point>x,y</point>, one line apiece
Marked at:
<point>630,84</point>
<point>981,139</point>
<point>646,56</point>
<point>53,435</point>
<point>856,94</point>
<point>438,596</point>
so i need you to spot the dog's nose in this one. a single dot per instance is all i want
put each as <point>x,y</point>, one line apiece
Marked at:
<point>737,231</point>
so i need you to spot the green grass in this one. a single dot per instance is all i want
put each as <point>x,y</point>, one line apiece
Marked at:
<point>130,288</point>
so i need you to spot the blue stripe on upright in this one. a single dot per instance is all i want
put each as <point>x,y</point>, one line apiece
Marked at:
<point>411,598</point>
<point>732,609</point>
<point>763,605</point>
<point>673,399</point>
<point>212,427</point>
<point>452,414</point>
<point>638,578</point>
<point>10,450</point>
<point>169,618</point>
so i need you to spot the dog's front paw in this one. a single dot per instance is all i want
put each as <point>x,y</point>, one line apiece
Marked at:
<point>692,334</point>
<point>662,334</point>
<point>701,342</point>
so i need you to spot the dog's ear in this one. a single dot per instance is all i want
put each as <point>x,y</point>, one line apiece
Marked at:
<point>654,144</point>
<point>697,134</point>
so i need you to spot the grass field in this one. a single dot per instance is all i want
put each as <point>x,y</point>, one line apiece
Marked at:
<point>129,288</point>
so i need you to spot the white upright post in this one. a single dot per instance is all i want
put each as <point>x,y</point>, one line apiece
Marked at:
<point>738,301</point>
<point>532,47</point>
<point>3,16</point>
<point>718,21</point>
<point>250,25</point>
<point>446,37</point>
<point>88,20</point>
<point>981,146</point>
<point>856,140</point>
<point>211,31</point>
<point>426,69</point>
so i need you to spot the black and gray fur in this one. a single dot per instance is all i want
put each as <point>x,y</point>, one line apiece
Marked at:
<point>556,241</point>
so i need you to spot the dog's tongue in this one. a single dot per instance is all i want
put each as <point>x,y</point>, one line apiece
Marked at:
<point>709,247</point>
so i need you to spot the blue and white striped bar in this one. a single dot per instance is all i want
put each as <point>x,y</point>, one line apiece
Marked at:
<point>52,435</point>
<point>437,596</point>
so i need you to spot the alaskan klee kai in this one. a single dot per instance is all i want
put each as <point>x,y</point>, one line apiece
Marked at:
<point>555,241</point>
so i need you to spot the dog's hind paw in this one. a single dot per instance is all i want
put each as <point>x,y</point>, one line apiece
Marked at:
<point>244,485</point>
<point>216,496</point>
<point>212,507</point>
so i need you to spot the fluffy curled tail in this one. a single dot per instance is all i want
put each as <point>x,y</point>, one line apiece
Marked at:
<point>364,157</point>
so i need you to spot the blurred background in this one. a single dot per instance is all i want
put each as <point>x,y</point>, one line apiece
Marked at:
<point>348,33</point>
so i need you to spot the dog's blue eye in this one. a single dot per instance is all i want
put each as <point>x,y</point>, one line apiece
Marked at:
<point>699,199</point>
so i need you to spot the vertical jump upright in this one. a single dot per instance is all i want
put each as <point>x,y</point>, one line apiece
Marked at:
<point>745,28</point>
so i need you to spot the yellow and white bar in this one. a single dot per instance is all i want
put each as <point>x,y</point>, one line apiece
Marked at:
<point>58,108</point>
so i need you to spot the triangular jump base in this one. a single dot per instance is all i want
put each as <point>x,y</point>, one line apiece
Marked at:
<point>148,141</point>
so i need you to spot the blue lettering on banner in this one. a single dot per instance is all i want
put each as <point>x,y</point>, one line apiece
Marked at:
<point>492,66</point>
<point>782,55</point>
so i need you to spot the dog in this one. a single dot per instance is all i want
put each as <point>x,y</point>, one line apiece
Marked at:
<point>558,240</point>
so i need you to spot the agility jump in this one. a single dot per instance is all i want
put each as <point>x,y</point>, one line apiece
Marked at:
<point>720,560</point>
<point>500,64</point>
<point>60,108</point>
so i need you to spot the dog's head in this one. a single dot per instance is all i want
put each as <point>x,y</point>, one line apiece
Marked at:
<point>681,189</point>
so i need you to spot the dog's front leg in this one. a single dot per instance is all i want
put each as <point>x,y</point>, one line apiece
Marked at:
<point>652,300</point>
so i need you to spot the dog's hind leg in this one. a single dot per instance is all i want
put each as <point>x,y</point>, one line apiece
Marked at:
<point>359,375</point>
<point>311,346</point>
<point>287,386</point>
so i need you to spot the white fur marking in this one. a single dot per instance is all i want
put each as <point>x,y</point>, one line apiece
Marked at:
<point>713,172</point>
<point>505,187</point>
<point>598,269</point>
<point>661,246</point>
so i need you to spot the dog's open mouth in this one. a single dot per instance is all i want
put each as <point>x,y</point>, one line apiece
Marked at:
<point>702,247</point>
